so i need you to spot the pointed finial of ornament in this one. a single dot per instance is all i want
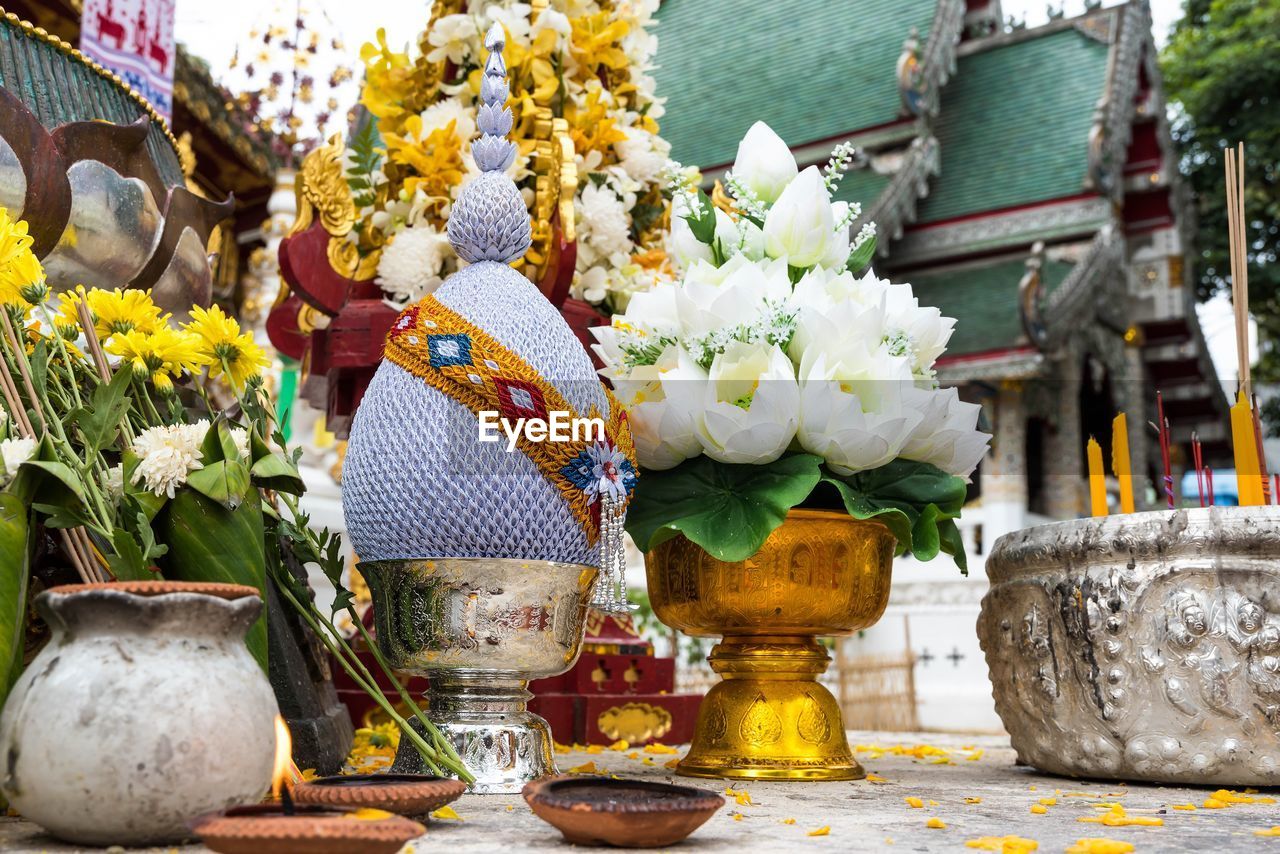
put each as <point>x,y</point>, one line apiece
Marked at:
<point>490,222</point>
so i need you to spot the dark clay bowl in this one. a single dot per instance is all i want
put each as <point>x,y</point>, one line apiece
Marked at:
<point>266,829</point>
<point>624,813</point>
<point>413,795</point>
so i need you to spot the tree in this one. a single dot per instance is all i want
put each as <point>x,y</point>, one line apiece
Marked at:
<point>1222,72</point>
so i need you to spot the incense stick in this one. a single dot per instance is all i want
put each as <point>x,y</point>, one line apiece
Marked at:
<point>1238,252</point>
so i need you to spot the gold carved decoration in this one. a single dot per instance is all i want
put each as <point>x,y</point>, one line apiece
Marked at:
<point>634,722</point>
<point>323,193</point>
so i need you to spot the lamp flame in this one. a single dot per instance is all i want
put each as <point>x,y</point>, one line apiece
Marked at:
<point>284,757</point>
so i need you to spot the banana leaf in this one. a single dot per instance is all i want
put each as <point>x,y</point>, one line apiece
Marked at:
<point>15,569</point>
<point>210,542</point>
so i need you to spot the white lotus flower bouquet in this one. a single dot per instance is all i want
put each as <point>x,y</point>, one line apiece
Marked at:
<point>776,365</point>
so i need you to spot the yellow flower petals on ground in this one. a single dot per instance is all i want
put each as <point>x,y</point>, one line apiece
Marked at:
<point>978,801</point>
<point>560,748</point>
<point>595,749</point>
<point>825,830</point>
<point>1049,802</point>
<point>447,813</point>
<point>367,814</point>
<point>875,778</point>
<point>1100,846</point>
<point>672,763</point>
<point>1003,844</point>
<point>914,802</point>
<point>1214,804</point>
<point>1117,817</point>
<point>1039,809</point>
<point>788,821</point>
<point>659,747</point>
<point>1184,807</point>
<point>737,816</point>
<point>1271,831</point>
<point>584,768</point>
<point>935,823</point>
<point>1229,797</point>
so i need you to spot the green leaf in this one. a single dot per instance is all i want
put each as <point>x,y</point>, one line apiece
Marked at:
<point>210,542</point>
<point>728,510</point>
<point>137,494</point>
<point>276,471</point>
<point>15,569</point>
<point>59,472</point>
<point>861,257</point>
<point>226,482</point>
<point>911,498</point>
<point>704,225</point>
<point>99,420</point>
<point>129,563</point>
<point>953,544</point>
<point>61,515</point>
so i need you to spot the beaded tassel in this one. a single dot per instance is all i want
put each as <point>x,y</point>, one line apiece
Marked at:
<point>611,589</point>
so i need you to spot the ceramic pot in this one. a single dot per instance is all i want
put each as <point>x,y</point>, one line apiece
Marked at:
<point>144,711</point>
<point>821,573</point>
<point>622,813</point>
<point>1143,646</point>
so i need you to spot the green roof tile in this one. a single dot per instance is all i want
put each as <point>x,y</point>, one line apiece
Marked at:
<point>812,71</point>
<point>1014,125</point>
<point>983,300</point>
<point>863,186</point>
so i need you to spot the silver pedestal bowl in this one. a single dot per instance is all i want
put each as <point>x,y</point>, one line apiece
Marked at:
<point>1141,647</point>
<point>480,629</point>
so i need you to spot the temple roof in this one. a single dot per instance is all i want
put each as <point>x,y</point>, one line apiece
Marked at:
<point>983,298</point>
<point>826,74</point>
<point>1014,124</point>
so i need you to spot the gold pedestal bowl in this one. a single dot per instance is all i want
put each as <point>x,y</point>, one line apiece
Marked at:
<point>822,573</point>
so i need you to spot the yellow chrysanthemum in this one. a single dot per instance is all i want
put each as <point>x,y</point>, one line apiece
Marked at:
<point>389,81</point>
<point>160,355</point>
<point>19,267</point>
<point>227,349</point>
<point>123,310</point>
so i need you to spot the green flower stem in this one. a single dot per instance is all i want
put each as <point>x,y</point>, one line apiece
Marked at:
<point>443,743</point>
<point>341,650</point>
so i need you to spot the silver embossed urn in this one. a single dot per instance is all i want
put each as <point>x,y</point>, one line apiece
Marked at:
<point>1143,646</point>
<point>482,555</point>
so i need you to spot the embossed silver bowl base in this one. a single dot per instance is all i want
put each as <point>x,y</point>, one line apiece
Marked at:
<point>484,717</point>
<point>480,629</point>
<point>1142,646</point>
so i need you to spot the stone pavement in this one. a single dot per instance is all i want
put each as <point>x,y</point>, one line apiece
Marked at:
<point>867,815</point>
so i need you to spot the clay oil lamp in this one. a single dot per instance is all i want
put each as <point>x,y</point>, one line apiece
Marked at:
<point>412,795</point>
<point>285,827</point>
<point>623,813</point>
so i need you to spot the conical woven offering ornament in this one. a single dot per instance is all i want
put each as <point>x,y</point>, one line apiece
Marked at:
<point>482,548</point>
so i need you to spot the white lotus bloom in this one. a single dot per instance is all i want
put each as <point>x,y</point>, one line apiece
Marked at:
<point>764,163</point>
<point>750,405</point>
<point>948,435</point>
<point>834,309</point>
<point>799,227</point>
<point>167,455</point>
<point>15,452</point>
<point>731,295</point>
<point>661,401</point>
<point>739,237</point>
<point>649,316</point>
<point>411,264</point>
<point>452,37</point>
<point>851,413</point>
<point>924,332</point>
<point>838,250</point>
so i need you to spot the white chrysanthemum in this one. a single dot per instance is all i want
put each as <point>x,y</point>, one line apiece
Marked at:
<point>411,263</point>
<point>514,19</point>
<point>115,480</point>
<point>643,154</point>
<point>241,438</point>
<point>452,37</point>
<point>167,455</point>
<point>604,227</point>
<point>4,416</point>
<point>446,110</point>
<point>15,452</point>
